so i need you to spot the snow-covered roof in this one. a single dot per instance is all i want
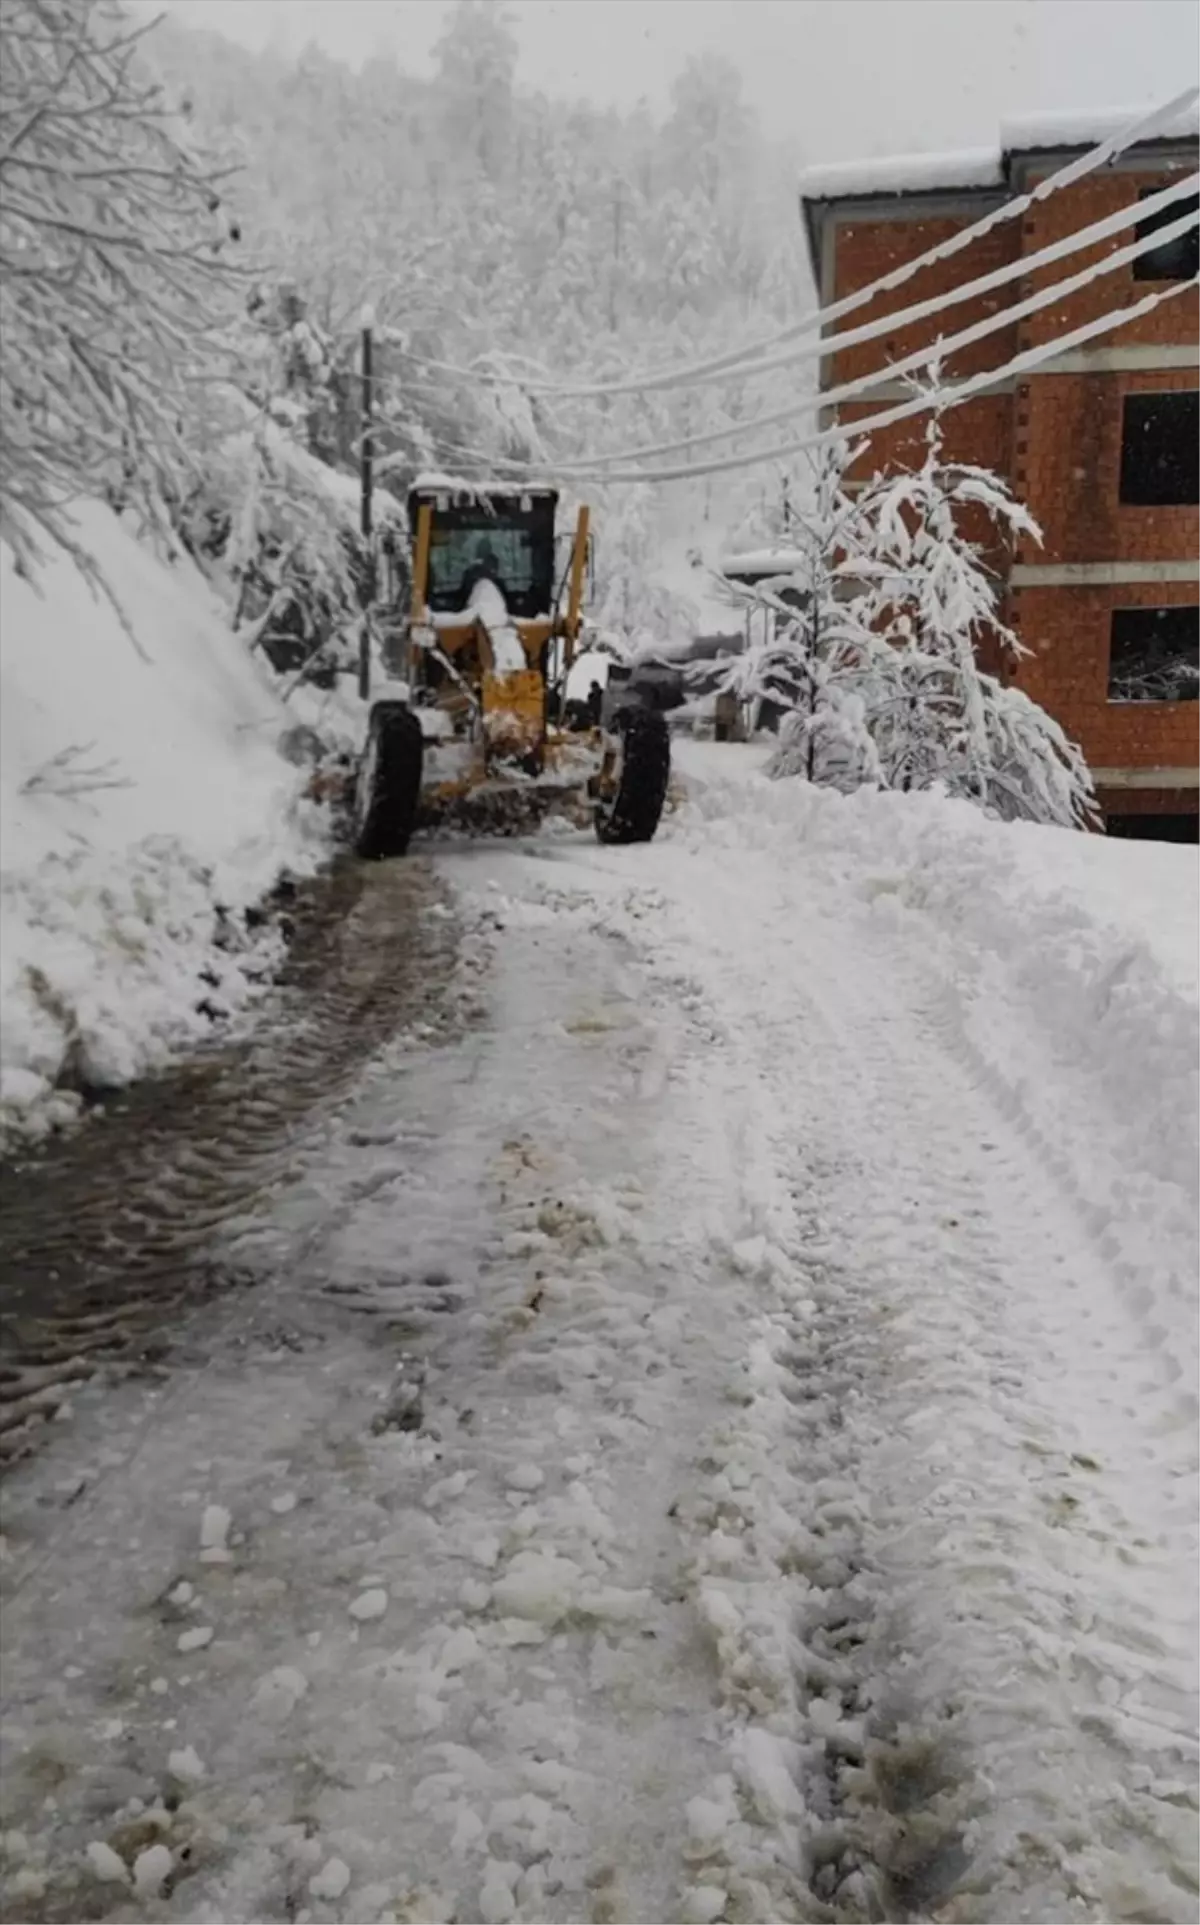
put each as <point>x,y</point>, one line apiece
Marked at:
<point>902,174</point>
<point>439,484</point>
<point>1024,133</point>
<point>978,166</point>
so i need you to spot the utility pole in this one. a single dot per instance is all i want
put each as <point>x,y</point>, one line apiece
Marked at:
<point>366,478</point>
<point>367,447</point>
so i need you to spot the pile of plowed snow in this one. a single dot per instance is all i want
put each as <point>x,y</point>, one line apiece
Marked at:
<point>142,791</point>
<point>1068,963</point>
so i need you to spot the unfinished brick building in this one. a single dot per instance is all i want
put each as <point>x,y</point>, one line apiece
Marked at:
<point>1100,442</point>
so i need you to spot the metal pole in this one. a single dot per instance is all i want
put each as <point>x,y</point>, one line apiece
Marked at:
<point>368,447</point>
<point>366,454</point>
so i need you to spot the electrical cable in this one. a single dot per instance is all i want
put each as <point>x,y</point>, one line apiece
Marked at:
<point>1142,127</point>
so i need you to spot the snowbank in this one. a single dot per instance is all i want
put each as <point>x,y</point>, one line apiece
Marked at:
<point>141,787</point>
<point>1049,950</point>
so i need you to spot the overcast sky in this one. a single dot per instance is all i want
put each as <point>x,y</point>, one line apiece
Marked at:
<point>839,78</point>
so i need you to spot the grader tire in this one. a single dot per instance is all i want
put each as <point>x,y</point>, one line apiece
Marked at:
<point>632,814</point>
<point>388,789</point>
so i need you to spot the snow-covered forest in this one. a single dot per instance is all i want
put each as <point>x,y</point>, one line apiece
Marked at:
<point>489,227</point>
<point>187,328</point>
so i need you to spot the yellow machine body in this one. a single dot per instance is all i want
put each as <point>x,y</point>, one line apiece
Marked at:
<point>498,724</point>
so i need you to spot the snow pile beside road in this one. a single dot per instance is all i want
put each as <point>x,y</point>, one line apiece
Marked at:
<point>1067,963</point>
<point>142,789</point>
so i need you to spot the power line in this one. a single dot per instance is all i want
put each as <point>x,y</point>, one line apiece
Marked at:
<point>739,362</point>
<point>1014,270</point>
<point>1092,234</point>
<point>1060,290</point>
<point>944,346</point>
<point>942,398</point>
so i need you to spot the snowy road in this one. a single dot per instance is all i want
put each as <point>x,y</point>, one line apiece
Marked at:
<point>717,1441</point>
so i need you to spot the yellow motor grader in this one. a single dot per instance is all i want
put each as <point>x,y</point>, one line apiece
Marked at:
<point>470,712</point>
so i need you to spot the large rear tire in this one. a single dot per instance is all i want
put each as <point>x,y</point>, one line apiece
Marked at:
<point>388,789</point>
<point>633,811</point>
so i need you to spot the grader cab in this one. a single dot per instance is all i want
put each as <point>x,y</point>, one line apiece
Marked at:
<point>471,720</point>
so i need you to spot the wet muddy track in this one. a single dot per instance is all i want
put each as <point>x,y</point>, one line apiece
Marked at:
<point>106,1235</point>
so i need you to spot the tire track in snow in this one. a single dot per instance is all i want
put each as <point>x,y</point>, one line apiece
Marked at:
<point>107,1236</point>
<point>976,1716</point>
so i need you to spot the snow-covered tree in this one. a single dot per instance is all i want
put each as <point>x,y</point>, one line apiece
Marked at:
<point>116,287</point>
<point>707,136</point>
<point>476,61</point>
<point>932,592</point>
<point>814,657</point>
<point>497,229</point>
<point>878,667</point>
<point>299,376</point>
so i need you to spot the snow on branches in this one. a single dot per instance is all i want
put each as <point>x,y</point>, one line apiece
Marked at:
<point>875,641</point>
<point>115,282</point>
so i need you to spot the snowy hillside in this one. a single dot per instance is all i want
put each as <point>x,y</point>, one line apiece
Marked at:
<point>142,787</point>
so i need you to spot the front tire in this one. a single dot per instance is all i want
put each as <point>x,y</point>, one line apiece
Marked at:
<point>633,811</point>
<point>388,789</point>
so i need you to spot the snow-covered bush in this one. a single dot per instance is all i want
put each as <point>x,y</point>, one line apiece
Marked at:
<point>877,663</point>
<point>116,289</point>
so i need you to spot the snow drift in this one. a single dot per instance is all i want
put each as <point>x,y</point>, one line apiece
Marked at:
<point>143,792</point>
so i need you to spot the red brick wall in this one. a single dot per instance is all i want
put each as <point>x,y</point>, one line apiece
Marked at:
<point>1066,469</point>
<point>1068,630</point>
<point>1091,200</point>
<point>869,249</point>
<point>979,431</point>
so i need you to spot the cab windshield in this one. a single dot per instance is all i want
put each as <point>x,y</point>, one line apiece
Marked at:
<point>509,541</point>
<point>461,557</point>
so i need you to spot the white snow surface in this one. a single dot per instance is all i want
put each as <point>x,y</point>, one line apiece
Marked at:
<point>902,173</point>
<point>141,785</point>
<point>758,1363</point>
<point>488,605</point>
